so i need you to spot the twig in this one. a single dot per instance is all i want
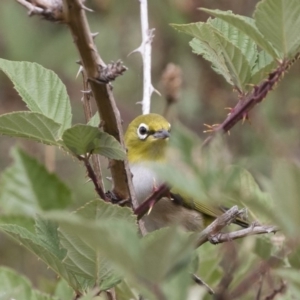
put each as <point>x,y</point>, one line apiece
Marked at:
<point>229,265</point>
<point>277,291</point>
<point>199,281</point>
<point>217,225</point>
<point>93,177</point>
<point>252,230</point>
<point>86,99</point>
<point>147,205</point>
<point>51,10</point>
<point>212,232</point>
<point>241,110</point>
<point>254,276</point>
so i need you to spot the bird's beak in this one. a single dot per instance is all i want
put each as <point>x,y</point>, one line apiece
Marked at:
<point>161,134</point>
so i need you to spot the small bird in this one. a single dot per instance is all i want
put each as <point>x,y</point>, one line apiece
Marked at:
<point>146,140</point>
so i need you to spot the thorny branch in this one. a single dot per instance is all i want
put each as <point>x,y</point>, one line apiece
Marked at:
<point>86,100</point>
<point>51,10</point>
<point>72,12</point>
<point>93,177</point>
<point>243,107</point>
<point>148,204</point>
<point>145,50</point>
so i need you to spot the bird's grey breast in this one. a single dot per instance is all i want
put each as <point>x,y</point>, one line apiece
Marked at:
<point>144,180</point>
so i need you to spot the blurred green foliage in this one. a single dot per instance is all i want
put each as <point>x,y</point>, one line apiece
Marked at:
<point>268,148</point>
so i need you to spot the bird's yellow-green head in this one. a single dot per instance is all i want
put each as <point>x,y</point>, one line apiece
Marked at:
<point>146,138</point>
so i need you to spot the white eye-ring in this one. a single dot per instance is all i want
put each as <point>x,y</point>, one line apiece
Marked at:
<point>142,131</point>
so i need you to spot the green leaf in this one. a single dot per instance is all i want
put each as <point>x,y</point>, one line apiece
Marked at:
<point>246,25</point>
<point>64,291</point>
<point>285,191</point>
<point>95,120</point>
<point>41,90</point>
<point>27,187</point>
<point>30,125</point>
<point>89,244</point>
<point>14,227</point>
<point>294,258</point>
<point>99,210</point>
<point>84,256</point>
<point>206,44</point>
<point>82,139</point>
<point>166,251</point>
<point>227,59</point>
<point>279,22</point>
<point>236,62</point>
<point>13,285</point>
<point>16,286</point>
<point>237,38</point>
<point>264,65</point>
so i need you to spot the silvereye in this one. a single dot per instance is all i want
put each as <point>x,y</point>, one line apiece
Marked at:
<point>146,141</point>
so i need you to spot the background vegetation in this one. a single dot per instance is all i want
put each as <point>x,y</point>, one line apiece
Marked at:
<point>273,134</point>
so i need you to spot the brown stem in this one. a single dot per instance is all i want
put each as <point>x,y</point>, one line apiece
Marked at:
<point>245,104</point>
<point>92,63</point>
<point>87,107</point>
<point>93,177</point>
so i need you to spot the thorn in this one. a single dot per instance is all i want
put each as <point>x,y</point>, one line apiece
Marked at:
<point>94,35</point>
<point>86,8</point>
<point>156,91</point>
<point>246,118</point>
<point>139,102</point>
<point>228,132</point>
<point>139,49</point>
<point>86,92</point>
<point>79,71</point>
<point>211,128</point>
<point>231,110</point>
<point>109,178</point>
<point>79,62</point>
<point>251,85</point>
<point>150,208</point>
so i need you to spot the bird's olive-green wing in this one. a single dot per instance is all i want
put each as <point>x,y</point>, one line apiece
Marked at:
<point>203,208</point>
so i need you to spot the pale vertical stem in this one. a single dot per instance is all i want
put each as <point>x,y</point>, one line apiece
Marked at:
<point>145,49</point>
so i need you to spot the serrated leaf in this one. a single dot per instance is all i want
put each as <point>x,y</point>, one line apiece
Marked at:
<point>279,22</point>
<point>99,210</point>
<point>82,139</point>
<point>236,63</point>
<point>13,227</point>
<point>264,65</point>
<point>27,187</point>
<point>83,258</point>
<point>227,59</point>
<point>30,125</point>
<point>95,120</point>
<point>41,90</point>
<point>89,244</point>
<point>237,38</point>
<point>206,44</point>
<point>246,25</point>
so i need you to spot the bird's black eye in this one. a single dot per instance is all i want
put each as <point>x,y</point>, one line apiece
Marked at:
<point>142,131</point>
